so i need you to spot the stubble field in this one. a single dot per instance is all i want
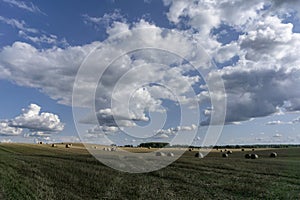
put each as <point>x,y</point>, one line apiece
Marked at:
<point>42,172</point>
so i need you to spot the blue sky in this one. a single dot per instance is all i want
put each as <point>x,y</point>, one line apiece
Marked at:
<point>144,61</point>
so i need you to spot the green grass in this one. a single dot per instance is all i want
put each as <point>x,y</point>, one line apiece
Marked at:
<point>42,172</point>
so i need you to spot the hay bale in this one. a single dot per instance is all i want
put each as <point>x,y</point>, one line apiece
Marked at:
<point>242,149</point>
<point>225,155</point>
<point>113,149</point>
<point>253,149</point>
<point>254,156</point>
<point>221,151</point>
<point>273,155</point>
<point>106,149</point>
<point>190,149</point>
<point>248,156</point>
<point>149,147</point>
<point>68,146</point>
<point>40,142</point>
<point>229,152</point>
<point>170,154</point>
<point>160,154</point>
<point>53,145</point>
<point>199,155</point>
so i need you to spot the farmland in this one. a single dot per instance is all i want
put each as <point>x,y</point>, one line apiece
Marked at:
<point>41,172</point>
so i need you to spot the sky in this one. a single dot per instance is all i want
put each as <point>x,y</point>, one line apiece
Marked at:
<point>185,72</point>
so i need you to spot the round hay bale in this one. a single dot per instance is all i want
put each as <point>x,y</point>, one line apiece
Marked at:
<point>113,149</point>
<point>149,147</point>
<point>68,146</point>
<point>160,154</point>
<point>221,151</point>
<point>199,155</point>
<point>273,155</point>
<point>242,149</point>
<point>190,149</point>
<point>254,156</point>
<point>225,155</point>
<point>253,149</point>
<point>53,145</point>
<point>248,156</point>
<point>229,152</point>
<point>170,154</point>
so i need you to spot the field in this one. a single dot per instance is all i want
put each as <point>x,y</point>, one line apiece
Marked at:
<point>42,172</point>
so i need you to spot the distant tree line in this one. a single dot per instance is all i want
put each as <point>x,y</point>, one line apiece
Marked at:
<point>154,144</point>
<point>166,145</point>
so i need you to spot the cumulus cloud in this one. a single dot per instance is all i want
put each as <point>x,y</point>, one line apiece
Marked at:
<point>28,6</point>
<point>5,129</point>
<point>259,90</point>
<point>39,124</point>
<point>172,131</point>
<point>6,141</point>
<point>31,67</point>
<point>62,64</point>
<point>100,130</point>
<point>263,80</point>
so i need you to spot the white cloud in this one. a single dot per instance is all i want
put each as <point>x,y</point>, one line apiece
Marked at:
<point>260,83</point>
<point>43,39</point>
<point>270,40</point>
<point>106,20</point>
<point>5,129</point>
<point>172,131</point>
<point>204,15</point>
<point>28,6</point>
<point>37,122</point>
<point>6,141</point>
<point>277,135</point>
<point>61,65</point>
<point>257,89</point>
<point>161,136</point>
<point>31,34</point>
<point>32,67</point>
<point>21,25</point>
<point>101,130</point>
<point>278,122</point>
